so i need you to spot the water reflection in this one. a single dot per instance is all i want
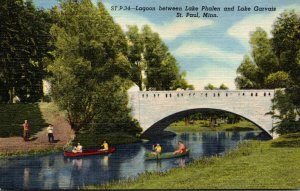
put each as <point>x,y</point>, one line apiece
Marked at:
<point>57,172</point>
<point>77,163</point>
<point>26,178</point>
<point>77,175</point>
<point>236,136</point>
<point>104,162</point>
<point>181,162</point>
<point>214,143</point>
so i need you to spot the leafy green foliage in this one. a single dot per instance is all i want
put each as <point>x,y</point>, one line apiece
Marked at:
<point>135,50</point>
<point>274,63</point>
<point>247,74</point>
<point>278,79</point>
<point>210,87</point>
<point>90,69</point>
<point>287,113</point>
<point>223,87</point>
<point>213,87</point>
<point>149,55</point>
<point>24,37</point>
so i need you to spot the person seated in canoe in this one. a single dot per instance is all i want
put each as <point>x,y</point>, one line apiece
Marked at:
<point>105,146</point>
<point>181,148</point>
<point>157,150</point>
<point>77,149</point>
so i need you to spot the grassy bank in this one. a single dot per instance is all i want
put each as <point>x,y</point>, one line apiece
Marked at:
<point>254,165</point>
<point>50,112</point>
<point>289,140</point>
<point>201,126</point>
<point>12,117</point>
<point>20,154</point>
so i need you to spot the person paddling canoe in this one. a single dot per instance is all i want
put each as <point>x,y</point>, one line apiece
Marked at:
<point>77,149</point>
<point>157,150</point>
<point>181,148</point>
<point>105,146</point>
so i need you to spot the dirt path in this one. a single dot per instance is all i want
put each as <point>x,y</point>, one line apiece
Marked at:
<point>62,134</point>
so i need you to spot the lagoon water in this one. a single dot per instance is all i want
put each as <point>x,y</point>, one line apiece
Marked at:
<point>54,171</point>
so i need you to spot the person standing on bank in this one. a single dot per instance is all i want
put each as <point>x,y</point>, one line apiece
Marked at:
<point>50,133</point>
<point>26,131</point>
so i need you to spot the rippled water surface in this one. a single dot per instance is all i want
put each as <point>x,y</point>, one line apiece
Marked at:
<point>54,171</point>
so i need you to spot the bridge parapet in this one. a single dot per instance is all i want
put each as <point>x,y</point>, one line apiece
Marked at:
<point>205,93</point>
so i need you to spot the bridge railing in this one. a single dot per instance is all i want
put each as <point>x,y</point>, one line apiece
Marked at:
<point>205,93</point>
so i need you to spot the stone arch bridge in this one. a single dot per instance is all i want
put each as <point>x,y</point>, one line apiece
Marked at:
<point>155,110</point>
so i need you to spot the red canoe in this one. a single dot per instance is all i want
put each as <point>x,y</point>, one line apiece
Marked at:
<point>89,152</point>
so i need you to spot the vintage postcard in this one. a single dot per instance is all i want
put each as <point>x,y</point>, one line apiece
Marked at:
<point>149,94</point>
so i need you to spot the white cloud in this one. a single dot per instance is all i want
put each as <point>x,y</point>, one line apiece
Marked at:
<point>214,75</point>
<point>167,31</point>
<point>195,49</point>
<point>242,29</point>
<point>180,27</point>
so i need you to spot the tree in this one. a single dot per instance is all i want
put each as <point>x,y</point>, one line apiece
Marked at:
<point>90,67</point>
<point>149,54</point>
<point>223,87</point>
<point>262,54</point>
<point>24,37</point>
<point>273,59</point>
<point>135,52</point>
<point>247,74</point>
<point>287,113</point>
<point>210,87</point>
<point>181,83</point>
<point>275,63</point>
<point>278,79</point>
<point>285,42</point>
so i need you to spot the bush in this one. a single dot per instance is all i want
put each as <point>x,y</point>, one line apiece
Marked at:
<point>287,126</point>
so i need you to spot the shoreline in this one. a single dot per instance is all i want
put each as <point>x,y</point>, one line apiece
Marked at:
<point>252,165</point>
<point>23,154</point>
<point>53,148</point>
<point>199,126</point>
<point>44,151</point>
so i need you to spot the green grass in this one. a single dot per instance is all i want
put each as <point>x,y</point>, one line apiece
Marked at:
<point>253,165</point>
<point>20,154</point>
<point>50,112</point>
<point>241,126</point>
<point>201,126</point>
<point>289,140</point>
<point>12,117</point>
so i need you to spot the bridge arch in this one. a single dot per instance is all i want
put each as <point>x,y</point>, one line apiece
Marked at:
<point>164,122</point>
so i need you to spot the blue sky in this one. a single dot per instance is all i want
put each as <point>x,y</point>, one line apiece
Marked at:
<point>208,49</point>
